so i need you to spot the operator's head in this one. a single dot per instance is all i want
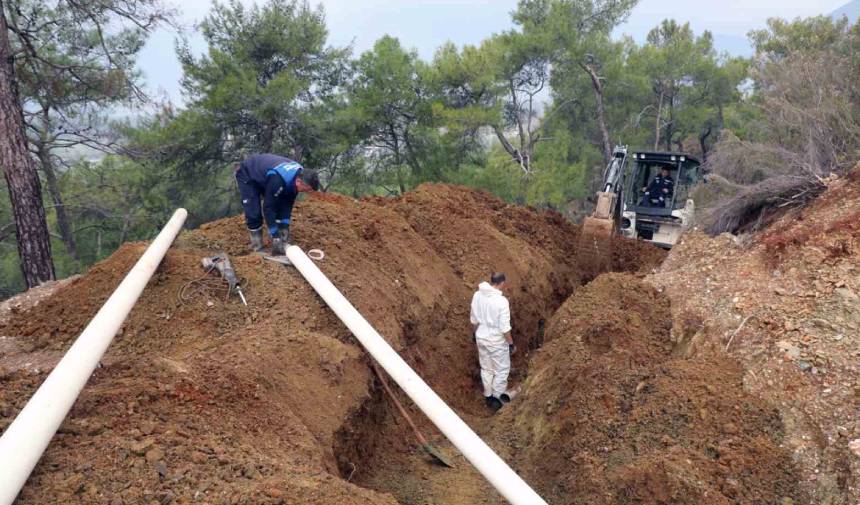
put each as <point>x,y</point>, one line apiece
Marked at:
<point>664,171</point>
<point>308,180</point>
<point>498,280</point>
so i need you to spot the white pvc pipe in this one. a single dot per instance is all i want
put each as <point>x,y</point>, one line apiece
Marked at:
<point>491,466</point>
<point>24,441</point>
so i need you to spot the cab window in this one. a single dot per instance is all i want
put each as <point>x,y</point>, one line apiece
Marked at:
<point>643,175</point>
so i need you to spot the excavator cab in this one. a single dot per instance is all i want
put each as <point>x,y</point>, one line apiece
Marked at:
<point>659,210</point>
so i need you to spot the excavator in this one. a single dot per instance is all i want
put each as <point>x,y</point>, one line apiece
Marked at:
<point>626,207</point>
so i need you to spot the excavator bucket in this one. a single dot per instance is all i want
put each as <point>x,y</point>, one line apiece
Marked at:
<point>594,247</point>
<point>593,226</point>
<point>601,223</point>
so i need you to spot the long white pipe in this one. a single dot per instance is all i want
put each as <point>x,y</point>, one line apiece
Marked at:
<point>24,441</point>
<point>491,466</point>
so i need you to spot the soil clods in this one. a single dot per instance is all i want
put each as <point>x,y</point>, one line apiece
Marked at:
<point>203,400</point>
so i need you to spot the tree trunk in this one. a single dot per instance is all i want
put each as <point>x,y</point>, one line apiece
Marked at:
<point>19,169</point>
<point>412,159</point>
<point>123,234</point>
<point>267,136</point>
<point>516,104</point>
<point>523,154</point>
<point>670,126</point>
<point>398,162</point>
<point>59,207</point>
<point>601,112</point>
<point>703,143</point>
<point>657,123</point>
<point>513,151</point>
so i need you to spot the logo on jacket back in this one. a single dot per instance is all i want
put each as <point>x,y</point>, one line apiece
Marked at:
<point>288,171</point>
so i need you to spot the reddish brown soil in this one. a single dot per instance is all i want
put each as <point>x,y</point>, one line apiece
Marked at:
<point>207,401</point>
<point>786,304</point>
<point>608,415</point>
<point>616,313</point>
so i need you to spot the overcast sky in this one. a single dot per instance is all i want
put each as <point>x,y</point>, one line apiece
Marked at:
<point>426,24</point>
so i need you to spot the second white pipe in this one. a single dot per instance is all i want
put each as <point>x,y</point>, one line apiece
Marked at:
<point>491,466</point>
<point>24,441</point>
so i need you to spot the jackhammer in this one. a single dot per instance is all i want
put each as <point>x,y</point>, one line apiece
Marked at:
<point>221,263</point>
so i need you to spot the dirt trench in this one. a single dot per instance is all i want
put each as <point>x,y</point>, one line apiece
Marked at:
<point>610,411</point>
<point>201,400</point>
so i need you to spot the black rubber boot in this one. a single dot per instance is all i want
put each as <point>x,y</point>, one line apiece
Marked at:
<point>495,404</point>
<point>257,239</point>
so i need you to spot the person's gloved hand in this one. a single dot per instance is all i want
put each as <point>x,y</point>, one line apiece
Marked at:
<point>512,348</point>
<point>280,241</point>
<point>278,247</point>
<point>284,234</point>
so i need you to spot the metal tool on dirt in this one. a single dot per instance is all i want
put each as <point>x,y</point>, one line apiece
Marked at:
<point>314,254</point>
<point>221,263</point>
<point>278,259</point>
<point>429,448</point>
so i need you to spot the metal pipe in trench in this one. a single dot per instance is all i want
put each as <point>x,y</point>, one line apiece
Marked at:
<point>24,441</point>
<point>491,466</point>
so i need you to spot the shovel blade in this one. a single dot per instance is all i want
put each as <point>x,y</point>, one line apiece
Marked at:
<point>438,455</point>
<point>283,260</point>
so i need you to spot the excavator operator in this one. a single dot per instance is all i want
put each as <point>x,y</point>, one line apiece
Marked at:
<point>659,191</point>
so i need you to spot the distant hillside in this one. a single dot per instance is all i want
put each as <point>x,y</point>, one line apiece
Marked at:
<point>851,10</point>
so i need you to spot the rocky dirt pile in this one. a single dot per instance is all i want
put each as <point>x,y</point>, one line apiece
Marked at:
<point>610,415</point>
<point>786,303</point>
<point>203,400</point>
<point>615,312</point>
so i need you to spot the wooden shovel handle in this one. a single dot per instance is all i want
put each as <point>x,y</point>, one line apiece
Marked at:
<point>403,412</point>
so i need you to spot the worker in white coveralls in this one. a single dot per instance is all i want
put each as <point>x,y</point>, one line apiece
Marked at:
<point>491,321</point>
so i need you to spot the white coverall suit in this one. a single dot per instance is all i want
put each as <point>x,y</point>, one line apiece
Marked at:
<point>492,313</point>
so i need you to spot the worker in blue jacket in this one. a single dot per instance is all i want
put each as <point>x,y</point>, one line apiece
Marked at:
<point>278,181</point>
<point>659,192</point>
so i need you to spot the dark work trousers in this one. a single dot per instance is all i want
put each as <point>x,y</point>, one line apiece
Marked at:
<point>251,193</point>
<point>279,201</point>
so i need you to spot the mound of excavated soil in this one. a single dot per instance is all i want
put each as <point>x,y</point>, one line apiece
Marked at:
<point>202,399</point>
<point>786,303</point>
<point>608,415</point>
<point>616,312</point>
